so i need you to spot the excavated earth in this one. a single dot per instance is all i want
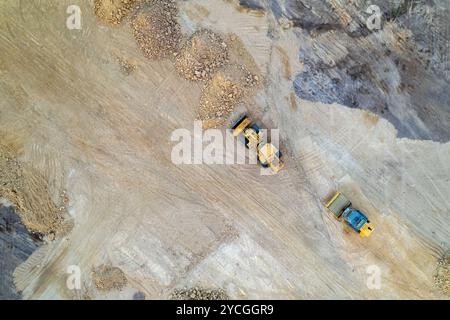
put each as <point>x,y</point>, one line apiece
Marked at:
<point>89,190</point>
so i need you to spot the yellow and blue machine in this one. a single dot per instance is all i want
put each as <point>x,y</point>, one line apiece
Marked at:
<point>341,207</point>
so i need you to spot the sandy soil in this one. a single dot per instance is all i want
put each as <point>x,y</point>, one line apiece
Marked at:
<point>103,135</point>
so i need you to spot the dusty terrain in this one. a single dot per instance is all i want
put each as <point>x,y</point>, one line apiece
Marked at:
<point>90,115</point>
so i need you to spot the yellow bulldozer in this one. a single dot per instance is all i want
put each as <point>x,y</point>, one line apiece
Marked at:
<point>268,155</point>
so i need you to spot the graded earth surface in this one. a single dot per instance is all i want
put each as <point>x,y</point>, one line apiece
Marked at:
<point>88,184</point>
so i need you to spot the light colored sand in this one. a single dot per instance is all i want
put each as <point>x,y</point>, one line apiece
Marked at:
<point>107,137</point>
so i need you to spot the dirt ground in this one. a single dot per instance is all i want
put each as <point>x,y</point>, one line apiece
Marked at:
<point>108,278</point>
<point>94,116</point>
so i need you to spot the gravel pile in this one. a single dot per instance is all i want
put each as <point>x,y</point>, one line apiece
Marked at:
<point>108,278</point>
<point>442,277</point>
<point>223,92</point>
<point>156,30</point>
<point>217,60</point>
<point>114,11</point>
<point>201,56</point>
<point>197,293</point>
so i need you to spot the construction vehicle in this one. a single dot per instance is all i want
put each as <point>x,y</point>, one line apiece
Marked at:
<point>268,155</point>
<point>341,207</point>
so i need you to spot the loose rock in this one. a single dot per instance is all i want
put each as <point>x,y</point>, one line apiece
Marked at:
<point>108,278</point>
<point>442,277</point>
<point>157,31</point>
<point>198,293</point>
<point>201,56</point>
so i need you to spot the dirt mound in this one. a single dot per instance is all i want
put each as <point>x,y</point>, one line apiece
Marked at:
<point>442,277</point>
<point>114,11</point>
<point>223,92</point>
<point>156,30</point>
<point>198,293</point>
<point>108,278</point>
<point>201,55</point>
<point>28,191</point>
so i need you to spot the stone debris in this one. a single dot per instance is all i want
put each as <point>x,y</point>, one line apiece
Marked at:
<point>201,56</point>
<point>198,293</point>
<point>223,92</point>
<point>28,191</point>
<point>156,30</point>
<point>112,12</point>
<point>107,278</point>
<point>442,277</point>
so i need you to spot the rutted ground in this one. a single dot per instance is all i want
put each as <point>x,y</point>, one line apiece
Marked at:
<point>104,136</point>
<point>28,191</point>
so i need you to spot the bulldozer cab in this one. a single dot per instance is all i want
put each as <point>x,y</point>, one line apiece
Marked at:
<point>358,221</point>
<point>251,132</point>
<point>253,137</point>
<point>340,206</point>
<point>269,156</point>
